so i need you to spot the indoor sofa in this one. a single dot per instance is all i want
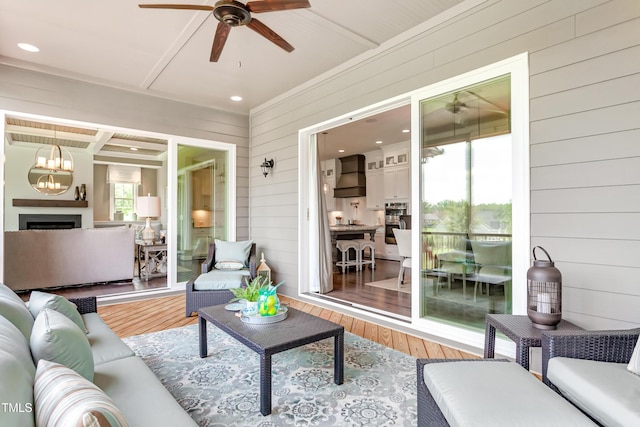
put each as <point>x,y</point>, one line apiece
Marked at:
<point>37,259</point>
<point>66,365</point>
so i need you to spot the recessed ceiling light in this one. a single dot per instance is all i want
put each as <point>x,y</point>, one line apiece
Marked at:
<point>28,47</point>
<point>406,130</point>
<point>341,151</point>
<point>133,148</point>
<point>378,142</point>
<point>236,98</point>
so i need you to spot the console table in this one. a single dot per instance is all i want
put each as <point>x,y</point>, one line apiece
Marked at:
<point>152,259</point>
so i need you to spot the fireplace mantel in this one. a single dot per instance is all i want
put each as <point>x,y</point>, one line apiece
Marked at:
<point>53,203</point>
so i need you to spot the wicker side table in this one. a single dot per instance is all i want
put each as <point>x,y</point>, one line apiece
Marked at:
<point>518,329</point>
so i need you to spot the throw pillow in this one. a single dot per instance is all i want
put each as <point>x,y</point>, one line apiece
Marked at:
<point>634,362</point>
<point>229,265</point>
<point>233,251</point>
<point>14,310</point>
<point>64,398</point>
<point>56,338</point>
<point>40,300</point>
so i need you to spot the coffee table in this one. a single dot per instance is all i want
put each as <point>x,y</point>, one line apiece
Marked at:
<point>298,329</point>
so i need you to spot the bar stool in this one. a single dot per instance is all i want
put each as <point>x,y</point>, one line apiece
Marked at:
<point>363,244</point>
<point>344,246</point>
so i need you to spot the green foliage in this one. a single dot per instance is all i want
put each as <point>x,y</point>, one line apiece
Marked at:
<point>251,290</point>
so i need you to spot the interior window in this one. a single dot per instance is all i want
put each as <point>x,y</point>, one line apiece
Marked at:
<point>123,206</point>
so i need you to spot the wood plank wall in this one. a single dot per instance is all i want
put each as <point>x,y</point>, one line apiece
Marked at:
<point>584,129</point>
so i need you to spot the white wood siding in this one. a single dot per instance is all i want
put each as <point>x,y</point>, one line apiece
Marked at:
<point>584,132</point>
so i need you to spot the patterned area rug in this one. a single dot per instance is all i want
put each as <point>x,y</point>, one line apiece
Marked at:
<point>222,389</point>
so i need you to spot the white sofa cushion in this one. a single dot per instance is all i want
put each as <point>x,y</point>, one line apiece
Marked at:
<point>495,394</point>
<point>63,398</point>
<point>15,311</point>
<point>40,300</point>
<point>634,362</point>
<point>57,339</point>
<point>604,390</point>
<point>17,374</point>
<point>105,344</point>
<point>140,395</point>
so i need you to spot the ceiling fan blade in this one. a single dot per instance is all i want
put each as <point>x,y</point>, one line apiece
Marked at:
<point>268,33</point>
<point>273,5</point>
<point>222,32</point>
<point>176,6</point>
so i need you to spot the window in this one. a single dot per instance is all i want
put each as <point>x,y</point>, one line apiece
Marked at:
<point>124,201</point>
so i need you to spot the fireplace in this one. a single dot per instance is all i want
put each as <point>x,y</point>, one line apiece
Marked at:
<point>48,222</point>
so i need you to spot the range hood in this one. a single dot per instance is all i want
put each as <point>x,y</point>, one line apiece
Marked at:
<point>352,181</point>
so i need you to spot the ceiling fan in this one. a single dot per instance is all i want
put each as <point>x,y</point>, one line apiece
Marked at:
<point>232,13</point>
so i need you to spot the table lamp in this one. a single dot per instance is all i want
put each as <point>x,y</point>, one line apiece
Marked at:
<point>148,206</point>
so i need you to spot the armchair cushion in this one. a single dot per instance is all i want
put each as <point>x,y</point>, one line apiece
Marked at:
<point>233,251</point>
<point>634,362</point>
<point>604,390</point>
<point>220,279</point>
<point>229,265</point>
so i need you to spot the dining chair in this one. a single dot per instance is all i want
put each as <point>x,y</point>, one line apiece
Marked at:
<point>403,239</point>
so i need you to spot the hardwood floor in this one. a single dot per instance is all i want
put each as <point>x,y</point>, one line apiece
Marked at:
<point>140,317</point>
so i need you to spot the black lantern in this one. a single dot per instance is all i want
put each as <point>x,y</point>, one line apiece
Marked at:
<point>266,166</point>
<point>544,293</point>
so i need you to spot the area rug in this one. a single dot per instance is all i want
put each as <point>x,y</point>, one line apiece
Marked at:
<point>222,389</point>
<point>392,284</point>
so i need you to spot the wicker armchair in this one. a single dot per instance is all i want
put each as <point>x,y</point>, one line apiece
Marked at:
<point>604,346</point>
<point>196,299</point>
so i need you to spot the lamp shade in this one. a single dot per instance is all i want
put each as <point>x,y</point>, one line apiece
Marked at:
<point>148,206</point>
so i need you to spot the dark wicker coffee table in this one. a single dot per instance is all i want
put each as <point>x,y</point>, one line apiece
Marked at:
<point>298,329</point>
<point>520,330</point>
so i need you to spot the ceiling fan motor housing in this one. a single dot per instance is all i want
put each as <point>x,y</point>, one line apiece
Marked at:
<point>232,13</point>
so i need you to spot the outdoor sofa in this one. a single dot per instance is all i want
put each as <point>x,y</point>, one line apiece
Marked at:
<point>50,366</point>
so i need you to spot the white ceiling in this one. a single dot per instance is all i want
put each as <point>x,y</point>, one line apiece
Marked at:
<point>166,52</point>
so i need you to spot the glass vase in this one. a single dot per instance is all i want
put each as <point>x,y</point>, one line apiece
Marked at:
<point>268,302</point>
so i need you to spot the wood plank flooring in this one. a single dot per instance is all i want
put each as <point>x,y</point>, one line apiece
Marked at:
<point>151,315</point>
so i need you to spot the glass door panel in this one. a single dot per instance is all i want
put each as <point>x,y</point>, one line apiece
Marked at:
<point>466,209</point>
<point>202,205</point>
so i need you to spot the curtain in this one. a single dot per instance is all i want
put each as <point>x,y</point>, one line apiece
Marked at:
<point>123,174</point>
<point>322,272</point>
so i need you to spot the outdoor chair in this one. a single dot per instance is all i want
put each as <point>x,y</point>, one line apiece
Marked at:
<point>228,265</point>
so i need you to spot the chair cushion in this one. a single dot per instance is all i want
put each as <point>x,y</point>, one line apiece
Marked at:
<point>233,251</point>
<point>604,390</point>
<point>634,362</point>
<point>57,339</point>
<point>15,310</point>
<point>220,279</point>
<point>229,265</point>
<point>64,398</point>
<point>40,300</point>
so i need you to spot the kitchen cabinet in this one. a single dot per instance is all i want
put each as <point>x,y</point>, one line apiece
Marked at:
<point>397,183</point>
<point>375,179</point>
<point>379,244</point>
<point>375,190</point>
<point>201,185</point>
<point>329,175</point>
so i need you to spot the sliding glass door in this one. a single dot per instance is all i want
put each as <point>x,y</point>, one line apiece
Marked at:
<point>466,203</point>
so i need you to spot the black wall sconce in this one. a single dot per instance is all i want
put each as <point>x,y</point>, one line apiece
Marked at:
<point>266,166</point>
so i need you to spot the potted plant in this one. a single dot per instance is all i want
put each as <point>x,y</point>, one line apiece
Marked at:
<point>251,291</point>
